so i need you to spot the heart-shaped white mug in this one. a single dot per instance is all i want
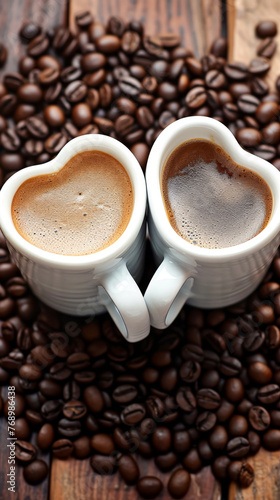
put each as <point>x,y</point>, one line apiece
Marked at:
<point>87,285</point>
<point>206,278</point>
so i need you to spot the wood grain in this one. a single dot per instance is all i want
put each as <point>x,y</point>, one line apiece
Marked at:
<point>23,491</point>
<point>75,479</point>
<point>243,16</point>
<point>197,21</point>
<point>266,485</point>
<point>14,13</point>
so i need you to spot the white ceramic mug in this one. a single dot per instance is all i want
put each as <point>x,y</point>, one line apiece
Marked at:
<point>88,284</point>
<point>206,278</point>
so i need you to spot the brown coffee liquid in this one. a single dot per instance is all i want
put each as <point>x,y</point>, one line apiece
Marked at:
<point>210,200</point>
<point>81,209</point>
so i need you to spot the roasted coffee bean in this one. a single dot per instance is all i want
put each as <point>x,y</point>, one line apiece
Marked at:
<point>267,48</point>
<point>259,418</point>
<point>271,439</point>
<point>29,31</point>
<point>81,114</point>
<point>259,66</point>
<point>8,104</point>
<point>196,97</point>
<point>51,409</point>
<point>190,371</point>
<point>271,133</point>
<point>93,399</point>
<point>179,483</point>
<point>82,448</point>
<point>102,443</point>
<point>220,466</point>
<point>186,400</point>
<point>218,438</point>
<point>259,86</point>
<point>238,425</point>
<point>208,399</point>
<point>234,390</point>
<point>133,414</point>
<point>130,86</point>
<point>38,45</point>
<point>35,472</point>
<point>13,81</point>
<point>155,407</point>
<point>236,71</point>
<point>149,486</point>
<point>30,372</point>
<point>219,47</point>
<point>69,428</point>
<point>192,461</point>
<point>108,44</point>
<point>246,475</point>
<point>116,26</point>
<point>10,140</point>
<point>62,448</point>
<point>74,410</point>
<point>161,439</point>
<point>122,439</point>
<point>238,447</point>
<point>266,28</point>
<point>125,394</point>
<point>22,428</point>
<point>166,461</point>
<point>205,421</point>
<point>11,161</point>
<point>248,137</point>
<point>272,337</point>
<point>128,469</point>
<point>93,61</point>
<point>103,464</point>
<point>30,93</point>
<point>75,91</point>
<point>54,143</point>
<point>269,394</point>
<point>229,366</point>
<point>25,452</point>
<point>259,372</point>
<point>248,103</point>
<point>45,436</point>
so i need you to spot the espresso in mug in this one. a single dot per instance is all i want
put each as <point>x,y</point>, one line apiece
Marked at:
<point>79,210</point>
<point>210,200</point>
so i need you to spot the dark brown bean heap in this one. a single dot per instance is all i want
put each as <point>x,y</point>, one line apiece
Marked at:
<point>115,80</point>
<point>205,391</point>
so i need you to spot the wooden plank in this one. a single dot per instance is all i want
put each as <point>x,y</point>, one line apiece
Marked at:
<point>74,479</point>
<point>23,491</point>
<point>266,485</point>
<point>14,13</point>
<point>197,21</point>
<point>243,16</point>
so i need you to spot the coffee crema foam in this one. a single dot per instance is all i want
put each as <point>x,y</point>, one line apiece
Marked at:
<point>210,200</point>
<point>83,208</point>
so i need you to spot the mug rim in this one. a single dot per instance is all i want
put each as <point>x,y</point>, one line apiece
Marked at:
<point>87,142</point>
<point>155,164</point>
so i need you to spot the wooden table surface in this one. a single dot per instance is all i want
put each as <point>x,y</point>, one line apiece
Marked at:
<point>198,22</point>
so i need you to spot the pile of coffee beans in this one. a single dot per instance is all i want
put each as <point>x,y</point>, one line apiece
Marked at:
<point>115,80</point>
<point>207,389</point>
<point>204,391</point>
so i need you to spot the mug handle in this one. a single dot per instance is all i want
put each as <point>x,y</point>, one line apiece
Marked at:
<point>125,303</point>
<point>167,292</point>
